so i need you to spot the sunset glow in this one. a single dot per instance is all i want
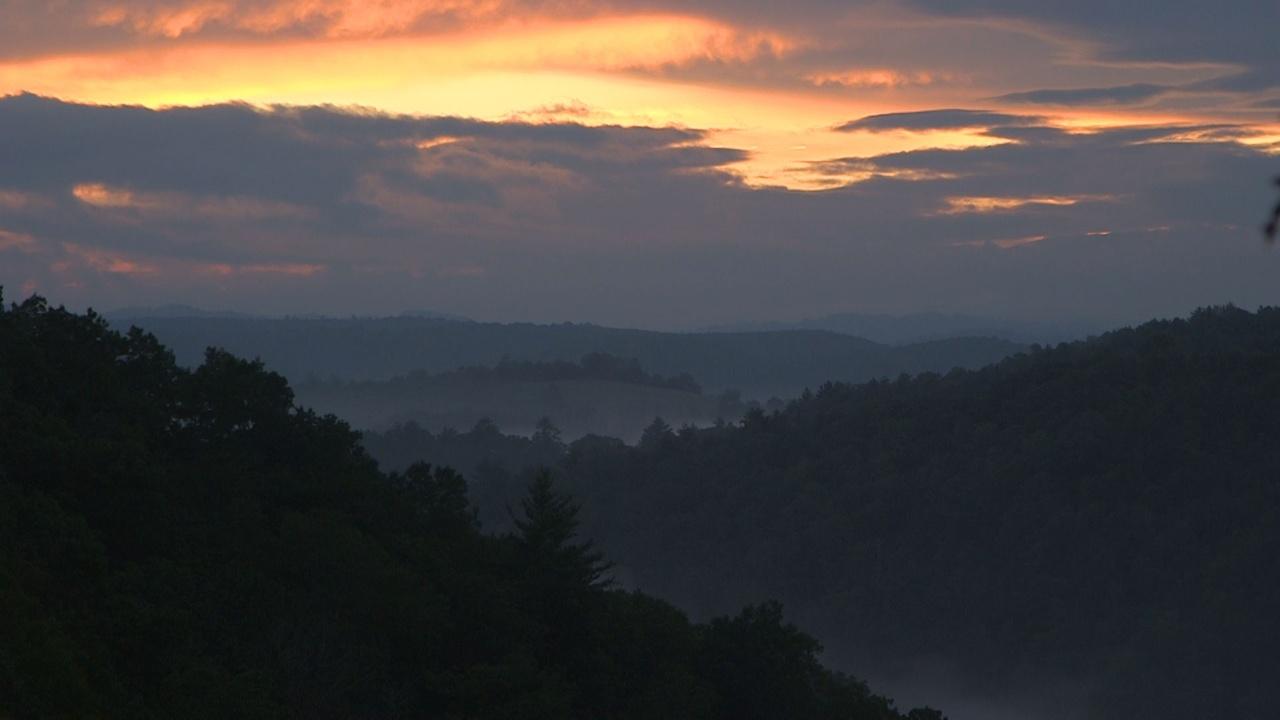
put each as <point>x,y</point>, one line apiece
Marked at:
<point>1004,204</point>
<point>430,138</point>
<point>635,69</point>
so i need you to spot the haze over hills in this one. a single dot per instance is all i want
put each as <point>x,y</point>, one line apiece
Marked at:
<point>758,364</point>
<point>1087,531</point>
<point>599,394</point>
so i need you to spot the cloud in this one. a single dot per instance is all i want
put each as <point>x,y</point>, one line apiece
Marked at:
<point>236,186</point>
<point>873,78</point>
<point>1179,30</point>
<point>885,46</point>
<point>491,179</point>
<point>561,111</point>
<point>1122,94</point>
<point>342,210</point>
<point>769,77</point>
<point>924,120</point>
<point>332,18</point>
<point>957,205</point>
<point>16,241</point>
<point>314,156</point>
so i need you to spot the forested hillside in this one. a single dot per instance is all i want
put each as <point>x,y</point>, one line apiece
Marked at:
<point>1102,517</point>
<point>921,327</point>
<point>760,364</point>
<point>189,544</point>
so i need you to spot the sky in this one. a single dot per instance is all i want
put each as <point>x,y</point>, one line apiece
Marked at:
<point>650,163</point>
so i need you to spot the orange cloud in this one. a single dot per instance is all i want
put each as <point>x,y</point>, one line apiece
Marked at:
<point>348,18</point>
<point>100,195</point>
<point>492,60</point>
<point>294,269</point>
<point>170,269</point>
<point>106,261</point>
<point>17,241</point>
<point>601,43</point>
<point>982,204</point>
<point>1009,243</point>
<point>170,22</point>
<point>874,78</point>
<point>228,270</point>
<point>1004,243</point>
<point>15,200</point>
<point>435,73</point>
<point>177,205</point>
<point>335,18</point>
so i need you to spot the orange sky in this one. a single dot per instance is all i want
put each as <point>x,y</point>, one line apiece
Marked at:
<point>746,158</point>
<point>758,88</point>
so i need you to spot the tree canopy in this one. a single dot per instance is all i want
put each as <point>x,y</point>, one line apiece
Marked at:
<point>190,543</point>
<point>1099,515</point>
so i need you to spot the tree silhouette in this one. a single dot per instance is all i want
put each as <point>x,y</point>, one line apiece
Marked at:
<point>547,432</point>
<point>1273,224</point>
<point>547,531</point>
<point>191,543</point>
<point>656,434</point>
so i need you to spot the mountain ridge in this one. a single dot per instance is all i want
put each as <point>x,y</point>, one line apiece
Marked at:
<point>760,365</point>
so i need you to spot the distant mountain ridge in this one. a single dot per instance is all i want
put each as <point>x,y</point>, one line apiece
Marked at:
<point>759,364</point>
<point>173,310</point>
<point>180,310</point>
<point>921,327</point>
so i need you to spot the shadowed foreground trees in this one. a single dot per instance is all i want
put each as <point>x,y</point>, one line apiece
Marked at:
<point>190,544</point>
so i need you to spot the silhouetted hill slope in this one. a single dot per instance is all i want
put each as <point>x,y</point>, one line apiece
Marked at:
<point>1104,511</point>
<point>921,327</point>
<point>189,544</point>
<point>758,364</point>
<point>1102,518</point>
<point>601,394</point>
<point>174,311</point>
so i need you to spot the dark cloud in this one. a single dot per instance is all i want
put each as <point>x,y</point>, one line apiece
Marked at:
<point>1235,42</point>
<point>949,119</point>
<point>1174,30</point>
<point>1259,79</point>
<point>1122,94</point>
<point>235,184</point>
<point>229,149</point>
<point>315,156</point>
<point>1029,133</point>
<point>323,209</point>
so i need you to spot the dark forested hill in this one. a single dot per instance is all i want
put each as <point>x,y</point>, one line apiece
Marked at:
<point>189,544</point>
<point>758,364</point>
<point>1088,531</point>
<point>920,327</point>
